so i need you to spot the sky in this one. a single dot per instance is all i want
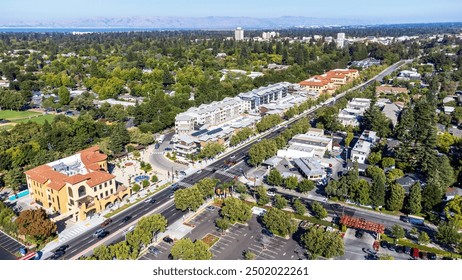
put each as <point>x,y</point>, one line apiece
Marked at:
<point>384,10</point>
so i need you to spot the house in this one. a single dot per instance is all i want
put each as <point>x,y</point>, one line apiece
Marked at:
<point>360,151</point>
<point>408,180</point>
<point>448,110</point>
<point>77,186</point>
<point>390,90</point>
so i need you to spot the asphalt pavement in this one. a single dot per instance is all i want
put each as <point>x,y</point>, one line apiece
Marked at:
<point>8,247</point>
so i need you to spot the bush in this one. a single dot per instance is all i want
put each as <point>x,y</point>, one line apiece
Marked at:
<point>154,178</point>
<point>136,188</point>
<point>145,183</point>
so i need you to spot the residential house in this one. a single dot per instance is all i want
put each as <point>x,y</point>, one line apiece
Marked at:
<point>310,168</point>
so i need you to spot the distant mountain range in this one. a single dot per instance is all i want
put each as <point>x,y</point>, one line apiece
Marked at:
<point>187,22</point>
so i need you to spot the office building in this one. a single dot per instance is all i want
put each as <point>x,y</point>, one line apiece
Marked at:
<point>239,34</point>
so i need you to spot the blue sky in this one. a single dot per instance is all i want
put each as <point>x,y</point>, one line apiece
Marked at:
<point>384,10</point>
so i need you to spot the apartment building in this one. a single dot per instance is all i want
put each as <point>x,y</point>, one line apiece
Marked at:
<point>330,81</point>
<point>252,100</point>
<point>211,114</point>
<point>362,148</point>
<point>239,34</point>
<point>77,186</point>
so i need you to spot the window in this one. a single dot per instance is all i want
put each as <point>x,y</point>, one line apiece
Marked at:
<point>82,191</point>
<point>105,184</point>
<point>112,191</point>
<point>106,193</point>
<point>100,187</point>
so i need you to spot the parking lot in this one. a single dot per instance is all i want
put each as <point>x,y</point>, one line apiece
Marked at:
<point>359,248</point>
<point>164,251</point>
<point>8,247</point>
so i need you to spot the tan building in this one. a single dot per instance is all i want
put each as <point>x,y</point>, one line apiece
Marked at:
<point>77,186</point>
<point>390,90</point>
<point>330,81</point>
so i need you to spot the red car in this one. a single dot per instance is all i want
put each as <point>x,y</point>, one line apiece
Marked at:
<point>415,253</point>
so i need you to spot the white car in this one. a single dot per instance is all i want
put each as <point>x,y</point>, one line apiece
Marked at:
<point>270,193</point>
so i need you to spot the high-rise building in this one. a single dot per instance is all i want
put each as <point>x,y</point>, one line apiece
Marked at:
<point>239,34</point>
<point>340,40</point>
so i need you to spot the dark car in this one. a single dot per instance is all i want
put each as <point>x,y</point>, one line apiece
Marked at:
<point>63,248</point>
<point>103,234</point>
<point>126,219</point>
<point>359,234</point>
<point>267,232</point>
<point>384,244</point>
<point>167,240</point>
<point>407,250</point>
<point>399,249</point>
<point>423,255</point>
<point>391,247</point>
<point>106,222</point>
<point>57,255</point>
<point>150,200</point>
<point>153,250</point>
<point>431,256</point>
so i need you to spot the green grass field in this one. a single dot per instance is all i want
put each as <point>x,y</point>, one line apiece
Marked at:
<point>39,119</point>
<point>14,115</point>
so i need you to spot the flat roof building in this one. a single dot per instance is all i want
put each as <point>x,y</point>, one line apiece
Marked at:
<point>310,168</point>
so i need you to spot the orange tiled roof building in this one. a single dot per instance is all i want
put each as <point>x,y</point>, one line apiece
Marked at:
<point>330,81</point>
<point>77,186</point>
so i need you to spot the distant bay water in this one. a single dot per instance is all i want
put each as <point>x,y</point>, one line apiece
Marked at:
<point>82,30</point>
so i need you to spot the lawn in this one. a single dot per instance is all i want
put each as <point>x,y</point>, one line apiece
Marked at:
<point>210,239</point>
<point>14,115</point>
<point>40,119</point>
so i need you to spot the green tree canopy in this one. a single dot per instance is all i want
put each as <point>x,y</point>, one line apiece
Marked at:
<point>185,249</point>
<point>278,222</point>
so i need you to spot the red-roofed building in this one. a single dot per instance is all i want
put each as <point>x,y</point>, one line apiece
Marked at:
<point>330,81</point>
<point>77,186</point>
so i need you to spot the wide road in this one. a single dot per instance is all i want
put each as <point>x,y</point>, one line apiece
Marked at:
<point>81,244</point>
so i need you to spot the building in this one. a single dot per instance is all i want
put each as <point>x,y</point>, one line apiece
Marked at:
<point>391,111</point>
<point>77,186</point>
<point>409,75</point>
<point>269,35</point>
<point>239,34</point>
<point>211,114</point>
<point>310,168</point>
<point>365,63</point>
<point>390,90</point>
<point>340,40</point>
<point>113,102</point>
<point>317,142</point>
<point>252,100</point>
<point>330,81</point>
<point>347,118</point>
<point>360,151</point>
<point>358,106</point>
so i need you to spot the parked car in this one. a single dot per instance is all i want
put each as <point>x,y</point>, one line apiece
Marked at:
<point>98,232</point>
<point>431,256</point>
<point>407,250</point>
<point>57,254</point>
<point>423,255</point>
<point>384,244</point>
<point>415,253</point>
<point>106,222</point>
<point>267,232</point>
<point>399,249</point>
<point>359,234</point>
<point>153,250</point>
<point>269,193</point>
<point>210,208</point>
<point>167,240</point>
<point>391,247</point>
<point>126,219</point>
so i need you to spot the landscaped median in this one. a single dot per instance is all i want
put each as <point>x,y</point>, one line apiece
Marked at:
<point>422,248</point>
<point>125,206</point>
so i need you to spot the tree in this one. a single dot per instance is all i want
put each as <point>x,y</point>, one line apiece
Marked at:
<point>249,255</point>
<point>322,243</point>
<point>448,234</point>
<point>145,183</point>
<point>424,239</point>
<point>136,188</point>
<point>378,186</point>
<point>235,210</point>
<point>185,249</point>
<point>349,138</point>
<point>299,207</point>
<point>291,182</point>
<point>119,138</point>
<point>35,225</point>
<point>397,231</point>
<point>210,150</point>
<point>376,120</point>
<point>148,226</point>
<point>395,198</point>
<point>387,162</point>
<point>262,194</point>
<point>280,202</point>
<point>414,201</point>
<point>444,141</point>
<point>318,210</point>
<point>278,222</point>
<point>102,253</point>
<point>64,96</point>
<point>305,186</point>
<point>453,210</point>
<point>374,158</point>
<point>275,178</point>
<point>207,187</point>
<point>222,223</point>
<point>190,198</point>
<point>154,178</point>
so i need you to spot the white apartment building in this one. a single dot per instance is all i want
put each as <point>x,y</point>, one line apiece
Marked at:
<point>239,34</point>
<point>211,114</point>
<point>252,100</point>
<point>361,151</point>
<point>340,40</point>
